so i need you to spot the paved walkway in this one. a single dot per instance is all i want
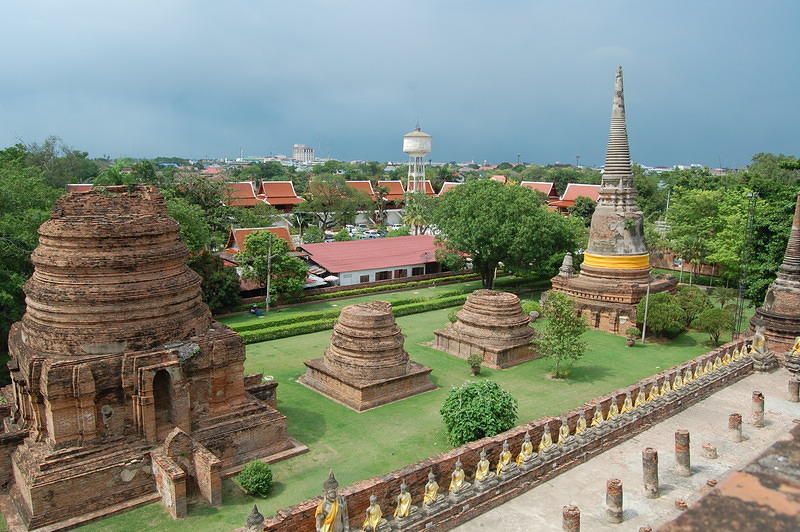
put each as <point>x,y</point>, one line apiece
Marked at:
<point>584,486</point>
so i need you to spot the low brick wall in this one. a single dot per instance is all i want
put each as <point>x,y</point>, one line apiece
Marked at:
<point>300,518</point>
<point>666,261</point>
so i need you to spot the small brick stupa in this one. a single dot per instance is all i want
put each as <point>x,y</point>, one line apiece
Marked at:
<point>124,387</point>
<point>493,325</point>
<point>616,265</point>
<point>366,365</point>
<point>780,313</point>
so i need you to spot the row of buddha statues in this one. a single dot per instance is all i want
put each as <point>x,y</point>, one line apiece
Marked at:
<point>331,513</point>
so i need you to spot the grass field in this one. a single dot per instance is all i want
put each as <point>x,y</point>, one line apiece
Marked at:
<point>358,446</point>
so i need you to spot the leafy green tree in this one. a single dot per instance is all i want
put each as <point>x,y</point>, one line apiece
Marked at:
<point>560,337</point>
<point>266,260</point>
<point>714,321</point>
<point>403,231</point>
<point>505,232</point>
<point>25,202</point>
<point>259,215</point>
<point>144,172</point>
<point>665,317</point>
<point>313,235</point>
<point>195,232</point>
<point>451,260</point>
<point>583,208</point>
<point>475,410</point>
<point>693,301</point>
<point>60,164</point>
<point>342,235</point>
<point>417,212</point>
<point>221,287</point>
<point>723,295</point>
<point>333,201</point>
<point>256,478</point>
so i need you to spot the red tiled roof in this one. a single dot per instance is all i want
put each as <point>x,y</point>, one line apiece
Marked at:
<point>426,187</point>
<point>363,186</point>
<point>237,237</point>
<point>211,170</point>
<point>396,191</point>
<point>499,178</point>
<point>575,189</point>
<point>79,187</point>
<point>279,193</point>
<point>373,254</point>
<point>448,185</point>
<point>240,194</point>
<point>545,187</point>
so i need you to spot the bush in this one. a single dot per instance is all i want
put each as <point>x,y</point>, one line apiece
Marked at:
<point>474,360</point>
<point>664,316</point>
<point>714,321</point>
<point>256,478</point>
<point>531,306</point>
<point>451,316</point>
<point>476,410</point>
<point>633,332</point>
<point>693,301</point>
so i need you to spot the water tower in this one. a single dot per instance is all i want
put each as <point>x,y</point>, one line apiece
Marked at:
<point>417,145</point>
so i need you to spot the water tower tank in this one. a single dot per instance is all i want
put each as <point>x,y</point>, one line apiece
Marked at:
<point>417,143</point>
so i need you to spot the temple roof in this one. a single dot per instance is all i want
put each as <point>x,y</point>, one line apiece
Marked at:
<point>396,190</point>
<point>279,193</point>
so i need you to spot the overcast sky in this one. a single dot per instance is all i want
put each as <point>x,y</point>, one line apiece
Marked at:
<point>705,81</point>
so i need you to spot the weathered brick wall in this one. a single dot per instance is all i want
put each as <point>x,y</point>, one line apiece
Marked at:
<point>300,518</point>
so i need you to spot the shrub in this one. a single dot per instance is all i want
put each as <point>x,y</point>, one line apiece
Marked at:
<point>476,410</point>
<point>474,360</point>
<point>531,306</point>
<point>633,332</point>
<point>451,316</point>
<point>664,316</point>
<point>256,478</point>
<point>560,338</point>
<point>714,321</point>
<point>693,301</point>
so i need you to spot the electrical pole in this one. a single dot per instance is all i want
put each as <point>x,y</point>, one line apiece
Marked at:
<point>646,309</point>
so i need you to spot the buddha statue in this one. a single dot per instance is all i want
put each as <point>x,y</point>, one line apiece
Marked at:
<point>708,368</point>
<point>613,410</point>
<point>763,358</point>
<point>597,418</point>
<point>641,398</point>
<point>795,350</point>
<point>374,521</point>
<point>331,513</point>
<point>580,425</point>
<point>665,388</point>
<point>563,432</point>
<point>505,462</point>
<point>627,404</point>
<point>482,469</point>
<point>736,354</point>
<point>432,500</point>
<point>404,507</point>
<point>546,443</point>
<point>677,381</point>
<point>726,358</point>
<point>654,393</point>
<point>687,376</point>
<point>457,482</point>
<point>717,363</point>
<point>697,372</point>
<point>526,453</point>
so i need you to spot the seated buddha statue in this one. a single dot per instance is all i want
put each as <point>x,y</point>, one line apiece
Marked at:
<point>505,463</point>
<point>565,440</point>
<point>482,469</point>
<point>697,372</point>
<point>404,507</point>
<point>627,404</point>
<point>546,443</point>
<point>677,381</point>
<point>374,521</point>
<point>597,418</point>
<point>432,500</point>
<point>613,410</point>
<point>457,483</point>
<point>641,398</point>
<point>708,368</point>
<point>665,387</point>
<point>654,392</point>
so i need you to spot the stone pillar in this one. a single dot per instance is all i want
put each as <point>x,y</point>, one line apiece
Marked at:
<point>794,390</point>
<point>758,409</point>
<point>683,463</point>
<point>571,519</point>
<point>614,500</point>
<point>650,467</point>
<point>735,427</point>
<point>709,451</point>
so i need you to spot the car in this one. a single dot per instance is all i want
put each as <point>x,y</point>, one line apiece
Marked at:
<point>371,233</point>
<point>362,227</point>
<point>395,227</point>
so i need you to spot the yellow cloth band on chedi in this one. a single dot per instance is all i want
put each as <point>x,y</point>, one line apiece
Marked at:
<point>617,262</point>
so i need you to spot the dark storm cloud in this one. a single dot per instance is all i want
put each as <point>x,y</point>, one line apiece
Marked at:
<point>705,81</point>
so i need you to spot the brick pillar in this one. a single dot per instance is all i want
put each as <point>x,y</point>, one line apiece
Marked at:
<point>614,500</point>
<point>794,390</point>
<point>650,467</point>
<point>571,519</point>
<point>735,427</point>
<point>683,463</point>
<point>758,409</point>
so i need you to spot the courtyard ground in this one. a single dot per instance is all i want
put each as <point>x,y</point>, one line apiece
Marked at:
<point>361,445</point>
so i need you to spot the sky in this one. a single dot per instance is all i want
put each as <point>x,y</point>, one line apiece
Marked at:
<point>710,82</point>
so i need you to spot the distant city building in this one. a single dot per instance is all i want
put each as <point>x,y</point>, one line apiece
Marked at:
<point>303,153</point>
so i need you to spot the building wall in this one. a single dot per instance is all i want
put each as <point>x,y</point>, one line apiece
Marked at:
<point>350,278</point>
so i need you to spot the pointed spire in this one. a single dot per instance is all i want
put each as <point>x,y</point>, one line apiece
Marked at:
<point>790,269</point>
<point>617,177</point>
<point>255,519</point>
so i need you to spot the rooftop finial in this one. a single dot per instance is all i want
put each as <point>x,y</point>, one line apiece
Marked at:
<point>255,521</point>
<point>618,107</point>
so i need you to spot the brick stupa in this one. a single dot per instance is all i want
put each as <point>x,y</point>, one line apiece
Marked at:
<point>616,265</point>
<point>493,325</point>
<point>123,387</point>
<point>780,313</point>
<point>366,365</point>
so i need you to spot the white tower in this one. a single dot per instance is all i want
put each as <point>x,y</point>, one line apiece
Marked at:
<point>417,145</point>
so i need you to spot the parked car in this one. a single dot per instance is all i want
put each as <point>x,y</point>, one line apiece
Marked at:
<point>362,227</point>
<point>371,233</point>
<point>395,227</point>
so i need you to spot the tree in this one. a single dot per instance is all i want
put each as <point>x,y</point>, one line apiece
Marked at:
<point>220,284</point>
<point>724,294</point>
<point>417,211</point>
<point>560,337</point>
<point>714,321</point>
<point>403,231</point>
<point>59,164</point>
<point>313,234</point>
<point>665,317</point>
<point>583,208</point>
<point>693,301</point>
<point>493,223</point>
<point>381,200</point>
<point>475,410</point>
<point>342,235</point>
<point>333,201</point>
<point>267,261</point>
<point>451,260</point>
<point>195,232</point>
<point>256,478</point>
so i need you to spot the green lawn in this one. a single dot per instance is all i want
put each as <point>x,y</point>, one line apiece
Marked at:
<point>358,446</point>
<point>281,313</point>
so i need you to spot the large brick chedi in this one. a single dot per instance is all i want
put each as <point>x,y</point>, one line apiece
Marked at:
<point>616,265</point>
<point>780,313</point>
<point>117,353</point>
<point>493,325</point>
<point>366,365</point>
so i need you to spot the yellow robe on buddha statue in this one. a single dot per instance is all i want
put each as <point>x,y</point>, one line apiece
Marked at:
<point>431,492</point>
<point>525,452</point>
<point>503,461</point>
<point>333,512</point>
<point>403,505</point>
<point>457,480</point>
<point>482,470</point>
<point>374,516</point>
